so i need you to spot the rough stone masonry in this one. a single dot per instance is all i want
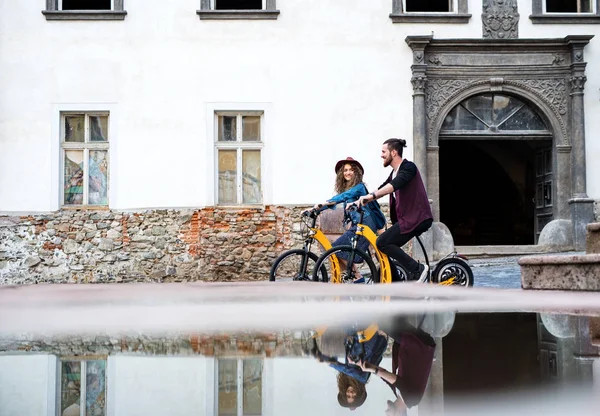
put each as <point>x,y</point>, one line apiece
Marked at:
<point>210,244</point>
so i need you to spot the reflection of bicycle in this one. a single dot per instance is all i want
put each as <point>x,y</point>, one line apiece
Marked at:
<point>453,269</point>
<point>298,264</point>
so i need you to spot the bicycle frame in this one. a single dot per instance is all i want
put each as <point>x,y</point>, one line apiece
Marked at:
<point>315,233</point>
<point>385,273</point>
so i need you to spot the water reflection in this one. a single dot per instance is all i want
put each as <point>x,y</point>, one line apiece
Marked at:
<point>435,363</point>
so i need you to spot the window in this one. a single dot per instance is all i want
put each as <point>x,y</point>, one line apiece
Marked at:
<point>430,11</point>
<point>238,4</point>
<point>565,11</point>
<point>84,148</point>
<point>237,9</point>
<point>239,386</point>
<point>429,6</point>
<point>82,387</point>
<point>85,5</point>
<point>493,114</point>
<point>568,6</point>
<point>238,156</point>
<point>84,10</point>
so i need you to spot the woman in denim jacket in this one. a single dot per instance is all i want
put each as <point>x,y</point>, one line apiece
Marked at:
<point>350,187</point>
<point>352,379</point>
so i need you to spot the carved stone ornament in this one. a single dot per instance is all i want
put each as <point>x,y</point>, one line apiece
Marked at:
<point>500,19</point>
<point>418,83</point>
<point>438,92</point>
<point>577,83</point>
<point>554,93</point>
<point>435,60</point>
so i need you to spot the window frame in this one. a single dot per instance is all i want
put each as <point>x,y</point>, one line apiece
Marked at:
<point>207,11</point>
<point>540,16</point>
<point>239,382</point>
<point>459,15</point>
<point>83,386</point>
<point>86,146</point>
<point>54,11</point>
<point>239,146</point>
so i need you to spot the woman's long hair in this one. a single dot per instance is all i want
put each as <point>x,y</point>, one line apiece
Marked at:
<point>340,183</point>
<point>344,381</point>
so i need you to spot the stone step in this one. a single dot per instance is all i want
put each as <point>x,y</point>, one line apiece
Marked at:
<point>500,251</point>
<point>561,272</point>
<point>592,242</point>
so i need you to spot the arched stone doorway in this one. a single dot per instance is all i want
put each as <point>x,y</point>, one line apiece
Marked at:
<point>501,147</point>
<point>548,77</point>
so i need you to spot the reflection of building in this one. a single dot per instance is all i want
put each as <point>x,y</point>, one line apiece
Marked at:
<point>493,105</point>
<point>233,375</point>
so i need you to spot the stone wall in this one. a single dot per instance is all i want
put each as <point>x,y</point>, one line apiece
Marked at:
<point>210,244</point>
<point>241,344</point>
<point>78,246</point>
<point>275,344</point>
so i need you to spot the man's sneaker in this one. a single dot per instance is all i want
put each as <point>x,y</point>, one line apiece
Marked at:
<point>422,273</point>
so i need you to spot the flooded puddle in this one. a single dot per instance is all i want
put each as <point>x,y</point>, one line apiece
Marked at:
<point>360,351</point>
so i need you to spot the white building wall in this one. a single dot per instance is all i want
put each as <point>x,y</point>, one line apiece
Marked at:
<point>28,385</point>
<point>149,386</point>
<point>300,386</point>
<point>334,77</point>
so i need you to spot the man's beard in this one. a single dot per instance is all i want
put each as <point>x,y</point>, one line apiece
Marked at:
<point>387,161</point>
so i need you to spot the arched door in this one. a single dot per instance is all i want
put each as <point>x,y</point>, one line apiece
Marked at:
<point>496,171</point>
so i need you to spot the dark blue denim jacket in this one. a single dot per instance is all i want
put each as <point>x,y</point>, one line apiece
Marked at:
<point>374,349</point>
<point>350,196</point>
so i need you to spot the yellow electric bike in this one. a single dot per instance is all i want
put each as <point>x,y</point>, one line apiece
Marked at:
<point>453,269</point>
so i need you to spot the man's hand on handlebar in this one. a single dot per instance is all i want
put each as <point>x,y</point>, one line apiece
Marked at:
<point>364,200</point>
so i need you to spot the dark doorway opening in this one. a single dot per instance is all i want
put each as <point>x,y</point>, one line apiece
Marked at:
<point>490,353</point>
<point>488,190</point>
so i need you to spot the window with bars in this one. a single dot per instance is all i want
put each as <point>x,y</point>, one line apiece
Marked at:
<point>85,5</point>
<point>429,6</point>
<point>239,386</point>
<point>82,387</point>
<point>238,158</point>
<point>84,148</point>
<point>238,9</point>
<point>84,10</point>
<point>430,11</point>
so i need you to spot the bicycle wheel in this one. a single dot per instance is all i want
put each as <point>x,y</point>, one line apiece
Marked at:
<point>453,271</point>
<point>287,266</point>
<point>399,273</point>
<point>362,262</point>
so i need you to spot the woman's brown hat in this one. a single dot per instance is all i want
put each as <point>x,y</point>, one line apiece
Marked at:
<point>342,162</point>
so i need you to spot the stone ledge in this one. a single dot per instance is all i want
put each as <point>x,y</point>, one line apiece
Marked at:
<point>592,243</point>
<point>238,14</point>
<point>429,18</point>
<point>84,14</point>
<point>561,272</point>
<point>564,19</point>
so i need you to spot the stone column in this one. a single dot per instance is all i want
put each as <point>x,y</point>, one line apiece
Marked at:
<point>563,182</point>
<point>582,207</point>
<point>433,179</point>
<point>419,82</point>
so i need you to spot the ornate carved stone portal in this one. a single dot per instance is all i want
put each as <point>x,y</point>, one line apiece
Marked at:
<point>549,74</point>
<point>500,19</point>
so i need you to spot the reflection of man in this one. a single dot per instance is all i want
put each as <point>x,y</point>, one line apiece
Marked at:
<point>412,357</point>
